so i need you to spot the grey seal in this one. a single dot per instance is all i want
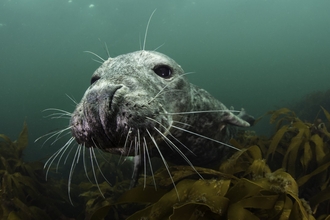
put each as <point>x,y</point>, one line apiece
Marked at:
<point>140,104</point>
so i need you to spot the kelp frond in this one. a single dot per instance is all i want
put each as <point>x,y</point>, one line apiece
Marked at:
<point>269,178</point>
<point>285,176</point>
<point>23,191</point>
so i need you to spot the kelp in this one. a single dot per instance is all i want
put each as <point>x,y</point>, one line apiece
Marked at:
<point>24,194</point>
<point>268,195</point>
<point>270,178</point>
<point>17,184</point>
<point>285,176</point>
<point>98,206</point>
<point>301,149</point>
<point>113,181</point>
<point>309,105</point>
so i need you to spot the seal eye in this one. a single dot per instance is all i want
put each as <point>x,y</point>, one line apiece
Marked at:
<point>94,79</point>
<point>163,71</point>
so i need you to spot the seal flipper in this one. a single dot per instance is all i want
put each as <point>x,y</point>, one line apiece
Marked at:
<point>240,120</point>
<point>136,170</point>
<point>246,117</point>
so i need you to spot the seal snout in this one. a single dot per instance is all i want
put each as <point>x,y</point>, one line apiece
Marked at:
<point>93,120</point>
<point>96,95</point>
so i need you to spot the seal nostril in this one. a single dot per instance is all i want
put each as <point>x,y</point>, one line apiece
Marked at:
<point>111,92</point>
<point>94,79</point>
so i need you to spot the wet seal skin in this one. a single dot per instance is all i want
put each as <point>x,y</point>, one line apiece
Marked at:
<point>140,104</point>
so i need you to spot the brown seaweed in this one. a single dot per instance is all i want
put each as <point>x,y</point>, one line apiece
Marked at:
<point>267,179</point>
<point>24,194</point>
<point>285,176</point>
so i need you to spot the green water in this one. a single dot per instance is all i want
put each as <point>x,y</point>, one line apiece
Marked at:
<point>253,54</point>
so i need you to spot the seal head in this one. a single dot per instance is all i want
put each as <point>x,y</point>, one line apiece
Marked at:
<point>126,92</point>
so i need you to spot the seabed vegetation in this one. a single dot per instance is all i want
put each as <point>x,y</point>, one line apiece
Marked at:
<point>284,176</point>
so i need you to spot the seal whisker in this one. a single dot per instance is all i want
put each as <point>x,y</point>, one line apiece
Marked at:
<point>87,51</point>
<point>98,166</point>
<point>146,33</point>
<point>127,154</point>
<point>67,156</point>
<point>58,115</point>
<point>73,166</point>
<point>100,62</point>
<point>57,109</point>
<point>187,148</point>
<point>137,143</point>
<point>129,149</point>
<point>52,133</point>
<point>164,161</point>
<point>202,136</point>
<point>101,153</point>
<point>143,158</point>
<point>159,46</point>
<point>144,165</point>
<point>52,158</point>
<point>179,151</point>
<point>136,153</point>
<point>79,151</point>
<point>106,48</point>
<point>182,123</point>
<point>125,144</point>
<point>72,99</point>
<point>137,162</point>
<point>149,161</point>
<point>84,163</point>
<point>60,158</point>
<point>198,112</point>
<point>54,155</point>
<point>91,153</point>
<point>58,137</point>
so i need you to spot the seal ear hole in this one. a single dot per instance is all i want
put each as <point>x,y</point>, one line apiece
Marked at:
<point>94,79</point>
<point>163,71</point>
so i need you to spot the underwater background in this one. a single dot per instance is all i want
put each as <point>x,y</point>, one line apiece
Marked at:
<point>262,55</point>
<point>255,54</point>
